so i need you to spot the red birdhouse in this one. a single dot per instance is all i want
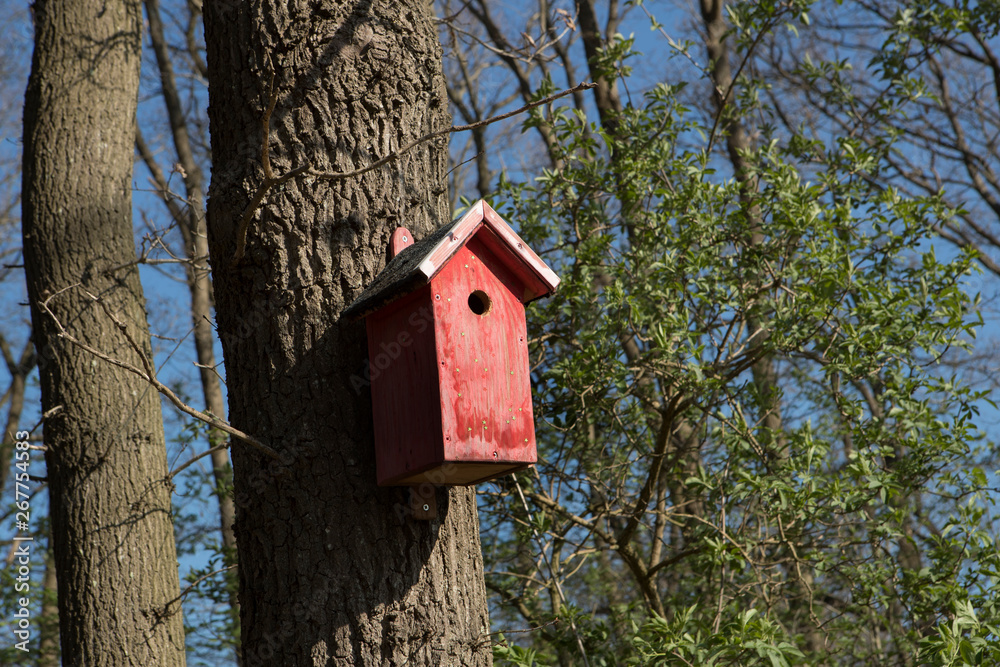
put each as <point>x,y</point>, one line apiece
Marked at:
<point>448,352</point>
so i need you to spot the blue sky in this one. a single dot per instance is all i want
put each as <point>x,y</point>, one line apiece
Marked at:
<point>168,298</point>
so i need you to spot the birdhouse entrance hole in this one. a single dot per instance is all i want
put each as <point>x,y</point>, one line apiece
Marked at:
<point>479,302</point>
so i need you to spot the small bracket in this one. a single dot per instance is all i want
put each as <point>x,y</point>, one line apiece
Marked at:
<point>423,502</point>
<point>401,238</point>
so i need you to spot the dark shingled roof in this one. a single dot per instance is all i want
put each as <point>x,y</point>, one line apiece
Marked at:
<point>400,276</point>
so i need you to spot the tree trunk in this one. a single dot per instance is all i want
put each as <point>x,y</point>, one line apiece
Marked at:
<point>191,223</point>
<point>332,572</point>
<point>763,370</point>
<point>48,621</point>
<point>19,370</point>
<point>110,502</point>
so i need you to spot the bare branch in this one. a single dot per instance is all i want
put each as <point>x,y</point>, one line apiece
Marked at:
<point>149,375</point>
<point>270,181</point>
<point>196,458</point>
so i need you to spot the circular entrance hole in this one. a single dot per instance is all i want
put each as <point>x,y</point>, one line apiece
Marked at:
<point>479,302</point>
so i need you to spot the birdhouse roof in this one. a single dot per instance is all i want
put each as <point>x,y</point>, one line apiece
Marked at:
<point>416,265</point>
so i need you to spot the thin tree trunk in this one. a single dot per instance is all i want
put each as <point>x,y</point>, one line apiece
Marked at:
<point>19,370</point>
<point>331,571</point>
<point>763,371</point>
<point>112,535</point>
<point>191,223</point>
<point>48,622</point>
<point>765,376</point>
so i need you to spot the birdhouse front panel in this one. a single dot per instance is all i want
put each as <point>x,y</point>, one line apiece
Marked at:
<point>451,393</point>
<point>482,351</point>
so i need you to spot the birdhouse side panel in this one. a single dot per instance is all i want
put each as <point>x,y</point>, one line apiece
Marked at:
<point>482,350</point>
<point>404,387</point>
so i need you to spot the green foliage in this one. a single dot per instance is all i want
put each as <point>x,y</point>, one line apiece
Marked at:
<point>747,442</point>
<point>516,656</point>
<point>746,639</point>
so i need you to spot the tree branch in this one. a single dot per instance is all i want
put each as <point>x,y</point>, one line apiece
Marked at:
<point>270,181</point>
<point>148,374</point>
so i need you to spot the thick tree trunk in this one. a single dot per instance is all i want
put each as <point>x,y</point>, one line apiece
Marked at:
<point>110,501</point>
<point>331,571</point>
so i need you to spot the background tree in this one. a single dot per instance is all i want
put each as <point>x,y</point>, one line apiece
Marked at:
<point>850,67</point>
<point>106,470</point>
<point>187,215</point>
<point>691,478</point>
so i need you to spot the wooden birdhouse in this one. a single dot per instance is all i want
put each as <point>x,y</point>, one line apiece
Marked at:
<point>448,352</point>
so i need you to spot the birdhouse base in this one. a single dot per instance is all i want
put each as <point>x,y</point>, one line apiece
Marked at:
<point>455,473</point>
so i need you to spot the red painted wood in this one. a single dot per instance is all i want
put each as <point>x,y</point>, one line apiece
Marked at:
<point>483,361</point>
<point>532,287</point>
<point>546,277</point>
<point>404,387</point>
<point>401,238</point>
<point>450,385</point>
<point>439,256</point>
<point>538,278</point>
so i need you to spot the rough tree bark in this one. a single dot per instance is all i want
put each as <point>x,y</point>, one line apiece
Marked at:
<point>113,540</point>
<point>331,573</point>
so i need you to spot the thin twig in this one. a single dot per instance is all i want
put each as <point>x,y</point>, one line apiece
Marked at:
<point>270,181</point>
<point>194,584</point>
<point>555,579</point>
<point>150,376</point>
<point>526,630</point>
<point>728,94</point>
<point>193,459</point>
<point>456,128</point>
<point>51,412</point>
<point>258,197</point>
<point>463,162</point>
